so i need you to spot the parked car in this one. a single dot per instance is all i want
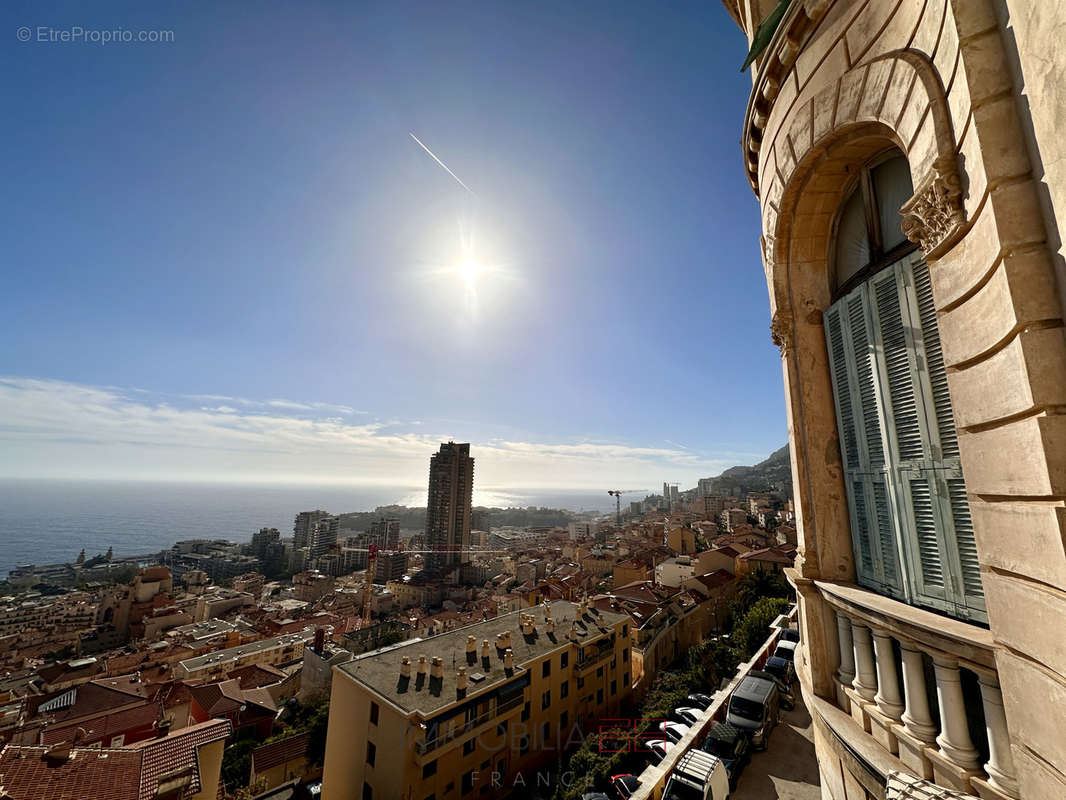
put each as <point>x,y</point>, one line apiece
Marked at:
<point>790,635</point>
<point>786,650</point>
<point>732,745</point>
<point>658,748</point>
<point>753,707</point>
<point>786,697</point>
<point>700,700</point>
<point>674,731</point>
<point>782,668</point>
<point>689,716</point>
<point>625,785</point>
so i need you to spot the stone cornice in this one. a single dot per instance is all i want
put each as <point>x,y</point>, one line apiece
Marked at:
<point>799,21</point>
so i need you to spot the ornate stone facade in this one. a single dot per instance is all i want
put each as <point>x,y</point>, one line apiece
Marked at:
<point>970,92</point>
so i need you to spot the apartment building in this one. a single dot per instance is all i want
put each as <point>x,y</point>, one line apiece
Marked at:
<point>908,162</point>
<point>449,502</point>
<point>277,651</point>
<point>467,712</point>
<point>673,571</point>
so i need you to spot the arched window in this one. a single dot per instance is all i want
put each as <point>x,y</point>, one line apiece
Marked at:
<point>869,230</point>
<point>910,518</point>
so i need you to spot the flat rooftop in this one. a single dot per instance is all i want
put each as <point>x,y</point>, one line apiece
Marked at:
<point>379,670</point>
<point>234,653</point>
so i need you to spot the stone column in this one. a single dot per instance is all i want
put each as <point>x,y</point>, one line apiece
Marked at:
<point>865,682</point>
<point>887,698</point>
<point>954,739</point>
<point>846,670</point>
<point>916,718</point>
<point>1000,766</point>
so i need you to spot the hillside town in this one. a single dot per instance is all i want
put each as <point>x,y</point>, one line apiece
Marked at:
<point>208,649</point>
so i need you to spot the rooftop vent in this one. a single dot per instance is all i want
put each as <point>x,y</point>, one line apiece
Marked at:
<point>477,677</point>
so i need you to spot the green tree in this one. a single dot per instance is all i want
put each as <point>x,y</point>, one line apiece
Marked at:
<point>756,584</point>
<point>237,764</point>
<point>316,739</point>
<point>753,628</point>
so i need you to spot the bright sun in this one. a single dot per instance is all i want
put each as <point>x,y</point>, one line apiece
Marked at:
<point>469,269</point>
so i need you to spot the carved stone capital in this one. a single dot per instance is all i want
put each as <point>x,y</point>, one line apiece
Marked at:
<point>781,330</point>
<point>934,216</point>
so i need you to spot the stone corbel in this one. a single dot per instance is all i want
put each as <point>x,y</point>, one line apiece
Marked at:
<point>934,216</point>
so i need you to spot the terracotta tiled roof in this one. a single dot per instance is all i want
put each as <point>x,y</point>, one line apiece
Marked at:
<point>174,752</point>
<point>104,726</point>
<point>225,697</point>
<point>89,699</point>
<point>712,580</point>
<point>255,675</point>
<point>271,755</point>
<point>97,773</point>
<point>768,554</point>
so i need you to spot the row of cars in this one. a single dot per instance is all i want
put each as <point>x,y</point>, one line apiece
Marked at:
<point>751,716</point>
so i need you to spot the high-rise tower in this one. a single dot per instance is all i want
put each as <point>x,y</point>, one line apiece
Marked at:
<point>304,526</point>
<point>451,488</point>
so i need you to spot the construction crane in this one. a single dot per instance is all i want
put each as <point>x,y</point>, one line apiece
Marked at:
<point>617,494</point>
<point>368,589</point>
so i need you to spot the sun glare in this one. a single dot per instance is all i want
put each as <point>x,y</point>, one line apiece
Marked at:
<point>469,269</point>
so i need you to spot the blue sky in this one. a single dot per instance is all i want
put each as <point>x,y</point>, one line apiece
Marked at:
<point>229,241</point>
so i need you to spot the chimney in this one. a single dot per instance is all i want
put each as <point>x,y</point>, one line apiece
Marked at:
<point>572,636</point>
<point>162,729</point>
<point>460,679</point>
<point>405,667</point>
<point>486,651</point>
<point>527,625</point>
<point>422,666</point>
<point>320,639</point>
<point>549,625</point>
<point>508,659</point>
<point>471,648</point>
<point>436,668</point>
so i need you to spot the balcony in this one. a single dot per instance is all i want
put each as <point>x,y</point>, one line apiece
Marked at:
<point>592,660</point>
<point>493,715</point>
<point>900,704</point>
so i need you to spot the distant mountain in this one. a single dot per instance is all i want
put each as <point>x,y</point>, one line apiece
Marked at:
<point>772,475</point>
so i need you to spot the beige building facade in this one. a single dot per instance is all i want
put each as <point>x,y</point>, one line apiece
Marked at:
<point>476,711</point>
<point>907,156</point>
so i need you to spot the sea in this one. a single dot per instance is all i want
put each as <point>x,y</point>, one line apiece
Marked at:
<point>50,521</point>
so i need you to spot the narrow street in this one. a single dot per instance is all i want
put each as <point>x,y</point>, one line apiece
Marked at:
<point>788,768</point>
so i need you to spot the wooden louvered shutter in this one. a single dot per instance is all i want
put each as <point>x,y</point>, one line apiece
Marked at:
<point>916,494</point>
<point>959,549</point>
<point>860,422</point>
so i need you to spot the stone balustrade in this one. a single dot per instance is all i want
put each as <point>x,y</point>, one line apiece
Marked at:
<point>883,684</point>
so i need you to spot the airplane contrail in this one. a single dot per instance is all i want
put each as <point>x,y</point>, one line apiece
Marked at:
<point>434,157</point>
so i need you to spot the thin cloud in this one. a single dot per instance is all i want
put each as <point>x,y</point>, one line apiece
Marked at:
<point>61,429</point>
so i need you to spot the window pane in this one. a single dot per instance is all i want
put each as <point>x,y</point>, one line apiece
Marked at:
<point>853,243</point>
<point>892,188</point>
